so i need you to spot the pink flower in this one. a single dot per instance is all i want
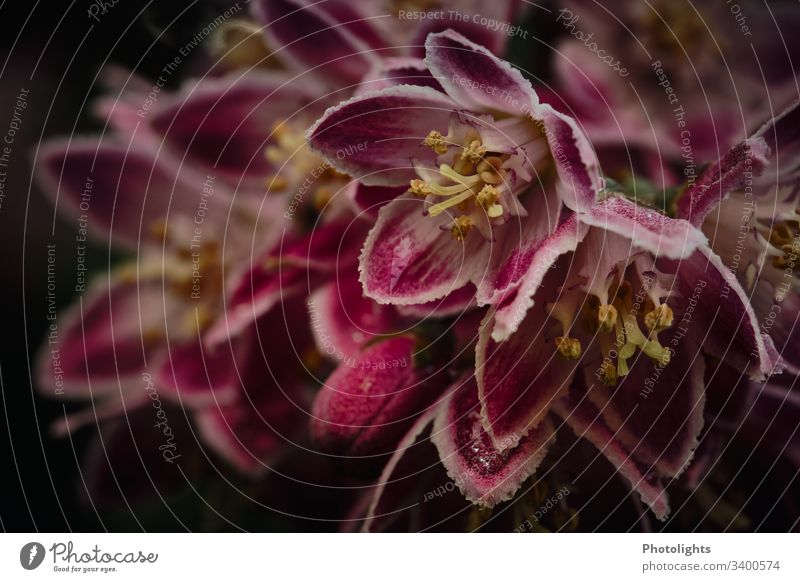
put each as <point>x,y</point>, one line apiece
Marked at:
<point>491,172</point>
<point>613,346</point>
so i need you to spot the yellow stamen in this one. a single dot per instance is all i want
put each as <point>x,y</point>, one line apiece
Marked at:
<point>495,211</point>
<point>473,152</point>
<point>659,318</point>
<point>436,142</point>
<point>568,347</point>
<point>277,184</point>
<point>488,196</point>
<point>607,316</point>
<point>159,230</point>
<point>440,207</point>
<point>322,197</point>
<point>608,374</point>
<point>461,227</point>
<point>419,188</point>
<point>462,179</point>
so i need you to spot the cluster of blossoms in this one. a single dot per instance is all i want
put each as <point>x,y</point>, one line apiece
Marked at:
<point>440,257</point>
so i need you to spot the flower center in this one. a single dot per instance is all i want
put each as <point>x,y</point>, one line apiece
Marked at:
<point>612,314</point>
<point>472,188</point>
<point>298,170</point>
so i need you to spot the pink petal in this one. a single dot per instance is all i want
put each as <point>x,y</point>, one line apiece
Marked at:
<point>407,259</point>
<point>648,229</point>
<point>122,191</point>
<point>270,405</point>
<point>224,124</point>
<point>334,39</point>
<point>196,375</point>
<point>455,303</point>
<point>295,263</point>
<point>517,280</point>
<point>475,78</point>
<point>578,169</point>
<point>100,345</point>
<point>484,474</point>
<point>721,316</point>
<point>376,509</point>
<point>520,378</point>
<point>368,403</point>
<point>398,71</point>
<point>374,136</point>
<point>742,163</point>
<point>344,321</point>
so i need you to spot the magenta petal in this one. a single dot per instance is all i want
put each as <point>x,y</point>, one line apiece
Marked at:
<point>332,38</point>
<point>657,412</point>
<point>224,124</point>
<point>368,403</point>
<point>519,379</point>
<point>578,168</point>
<point>475,78</point>
<point>122,191</point>
<point>516,281</point>
<point>398,71</point>
<point>344,321</point>
<point>101,344</point>
<point>455,303</point>
<point>782,136</point>
<point>196,375</point>
<point>407,259</point>
<point>370,199</point>
<point>741,164</point>
<point>648,229</point>
<point>587,423</point>
<point>295,263</point>
<point>484,474</point>
<point>374,136</point>
<point>720,316</point>
<point>269,409</point>
<point>784,328</point>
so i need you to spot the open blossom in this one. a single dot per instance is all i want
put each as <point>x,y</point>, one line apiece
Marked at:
<point>613,347</point>
<point>489,173</point>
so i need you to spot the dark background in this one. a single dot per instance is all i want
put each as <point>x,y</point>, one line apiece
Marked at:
<point>55,52</point>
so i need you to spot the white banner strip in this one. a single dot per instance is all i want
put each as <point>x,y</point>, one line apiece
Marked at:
<point>400,557</point>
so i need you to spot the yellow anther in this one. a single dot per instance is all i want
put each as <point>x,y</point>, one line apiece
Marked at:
<point>419,188</point>
<point>279,129</point>
<point>277,184</point>
<point>608,373</point>
<point>436,142</point>
<point>660,318</point>
<point>274,155</point>
<point>488,196</point>
<point>461,227</point>
<point>473,152</point>
<point>322,197</point>
<point>495,211</point>
<point>158,230</point>
<point>568,347</point>
<point>607,316</point>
